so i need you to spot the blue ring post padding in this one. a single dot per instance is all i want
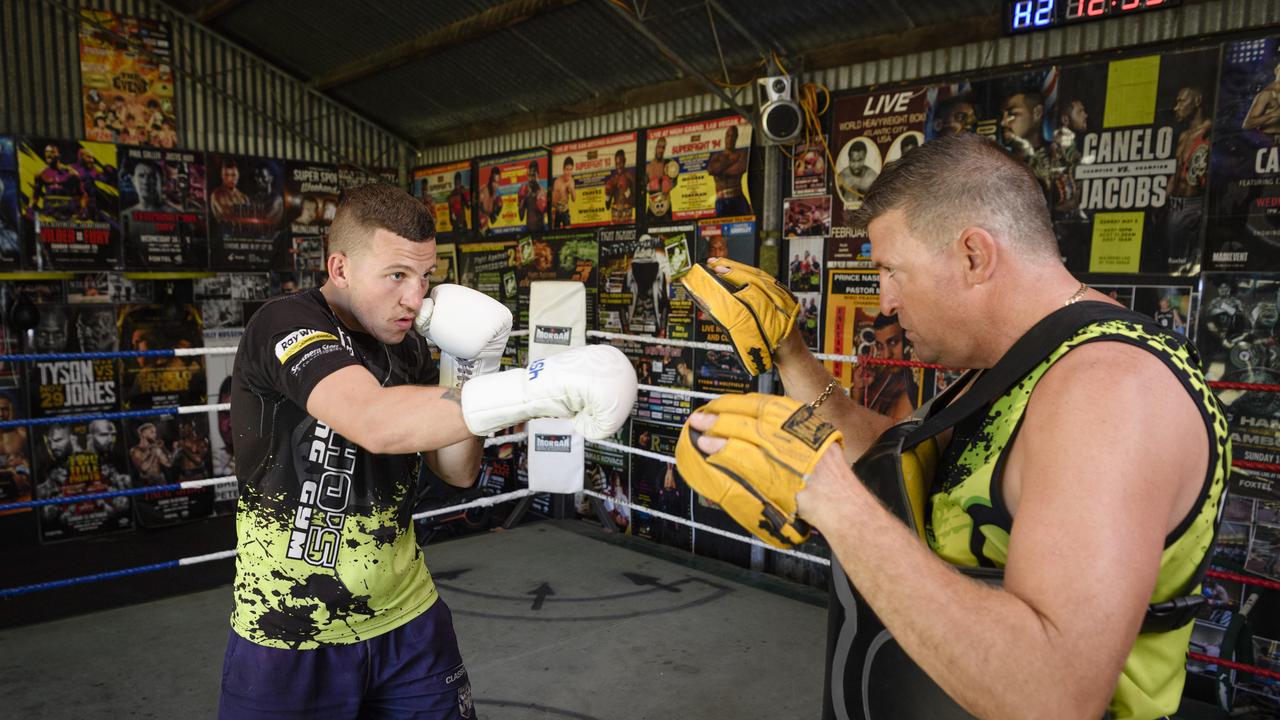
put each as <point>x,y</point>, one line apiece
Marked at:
<point>113,355</point>
<point>69,499</point>
<point>68,419</point>
<point>24,589</point>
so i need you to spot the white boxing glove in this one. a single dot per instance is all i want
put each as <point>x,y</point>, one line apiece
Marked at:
<point>594,385</point>
<point>469,327</point>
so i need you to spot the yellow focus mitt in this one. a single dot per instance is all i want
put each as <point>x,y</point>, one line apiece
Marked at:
<point>774,442</point>
<point>750,304</point>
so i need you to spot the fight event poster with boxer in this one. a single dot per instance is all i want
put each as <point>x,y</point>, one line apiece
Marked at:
<point>246,213</point>
<point>72,387</point>
<point>148,382</point>
<point>870,131</point>
<point>10,240</point>
<point>660,365</point>
<point>569,255</point>
<point>1173,307</point>
<point>1239,341</point>
<point>15,451</point>
<point>617,296</point>
<point>168,450</point>
<point>661,306</point>
<point>310,200</point>
<point>446,191</point>
<point>126,79</point>
<point>1124,158</point>
<point>446,264</point>
<point>733,238</point>
<point>698,169</point>
<point>491,267</point>
<point>806,216</point>
<point>70,204</point>
<point>594,182</point>
<point>163,199</point>
<point>718,371</point>
<point>657,485</point>
<point>1243,232</point>
<point>79,458</point>
<point>804,280</point>
<point>809,169</point>
<point>606,472</point>
<point>512,194</point>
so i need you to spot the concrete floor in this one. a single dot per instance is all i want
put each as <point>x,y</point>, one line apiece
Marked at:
<point>553,623</point>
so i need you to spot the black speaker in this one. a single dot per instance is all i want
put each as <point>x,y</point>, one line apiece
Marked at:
<point>781,119</point>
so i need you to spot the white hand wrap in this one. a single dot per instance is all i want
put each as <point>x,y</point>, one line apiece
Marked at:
<point>595,386</point>
<point>469,327</point>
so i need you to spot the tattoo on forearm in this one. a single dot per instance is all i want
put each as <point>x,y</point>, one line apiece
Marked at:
<point>452,395</point>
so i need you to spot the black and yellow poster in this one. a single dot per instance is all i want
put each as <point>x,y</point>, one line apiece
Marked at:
<point>594,182</point>
<point>70,204</point>
<point>446,191</point>
<point>698,170</point>
<point>147,382</point>
<point>126,79</point>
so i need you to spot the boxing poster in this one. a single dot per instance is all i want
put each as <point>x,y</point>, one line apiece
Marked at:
<point>607,473</point>
<point>163,200</point>
<point>353,176</point>
<point>10,245</point>
<point>446,191</point>
<point>566,255</point>
<point>247,228</point>
<point>804,280</point>
<point>446,264</point>
<point>1172,307</point>
<point>733,238</point>
<point>1239,341</point>
<point>126,79</point>
<point>513,193</point>
<point>657,485</point>
<point>166,450</point>
<point>1123,156</point>
<point>594,182</point>
<point>79,458</point>
<point>1243,232</point>
<point>662,306</point>
<point>616,296</point>
<point>660,365</point>
<point>698,169</point>
<point>490,266</point>
<point>71,387</point>
<point>70,203</point>
<point>15,451</point>
<point>806,216</point>
<point>809,168</point>
<point>311,201</point>
<point>869,131</point>
<point>148,382</point>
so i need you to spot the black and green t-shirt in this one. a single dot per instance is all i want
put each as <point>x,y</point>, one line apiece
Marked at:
<point>326,548</point>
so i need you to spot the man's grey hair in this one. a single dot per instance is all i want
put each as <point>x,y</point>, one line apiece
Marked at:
<point>959,181</point>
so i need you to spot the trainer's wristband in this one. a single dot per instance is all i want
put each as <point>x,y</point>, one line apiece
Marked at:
<point>831,386</point>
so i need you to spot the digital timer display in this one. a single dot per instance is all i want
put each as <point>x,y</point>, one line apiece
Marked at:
<point>1030,15</point>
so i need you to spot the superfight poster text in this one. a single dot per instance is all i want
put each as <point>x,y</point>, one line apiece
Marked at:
<point>70,204</point>
<point>79,458</point>
<point>490,267</point>
<point>568,255</point>
<point>870,131</point>
<point>310,202</point>
<point>1239,341</point>
<point>10,244</point>
<point>170,450</point>
<point>246,213</point>
<point>1243,232</point>
<point>512,195</point>
<point>446,191</point>
<point>127,85</point>
<point>148,382</point>
<point>616,297</point>
<point>594,182</point>
<point>698,169</point>
<point>163,199</point>
<point>1125,159</point>
<point>659,305</point>
<point>70,387</point>
<point>657,485</point>
<point>15,451</point>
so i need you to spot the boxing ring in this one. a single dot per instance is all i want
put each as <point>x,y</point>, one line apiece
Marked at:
<point>558,618</point>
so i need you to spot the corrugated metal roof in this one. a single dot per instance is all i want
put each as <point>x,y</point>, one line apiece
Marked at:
<point>561,59</point>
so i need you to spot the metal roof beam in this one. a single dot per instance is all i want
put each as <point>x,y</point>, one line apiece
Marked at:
<point>216,9</point>
<point>476,26</point>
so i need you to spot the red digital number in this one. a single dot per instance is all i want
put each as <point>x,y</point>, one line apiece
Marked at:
<point>1076,9</point>
<point>1096,8</point>
<point>1153,3</point>
<point>1130,4</point>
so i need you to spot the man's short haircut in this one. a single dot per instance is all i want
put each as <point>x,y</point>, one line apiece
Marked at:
<point>230,164</point>
<point>367,208</point>
<point>144,427</point>
<point>621,154</point>
<point>884,321</point>
<point>963,180</point>
<point>567,162</point>
<point>857,145</point>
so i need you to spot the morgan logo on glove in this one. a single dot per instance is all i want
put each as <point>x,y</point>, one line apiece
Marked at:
<point>805,426</point>
<point>552,335</point>
<point>553,443</point>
